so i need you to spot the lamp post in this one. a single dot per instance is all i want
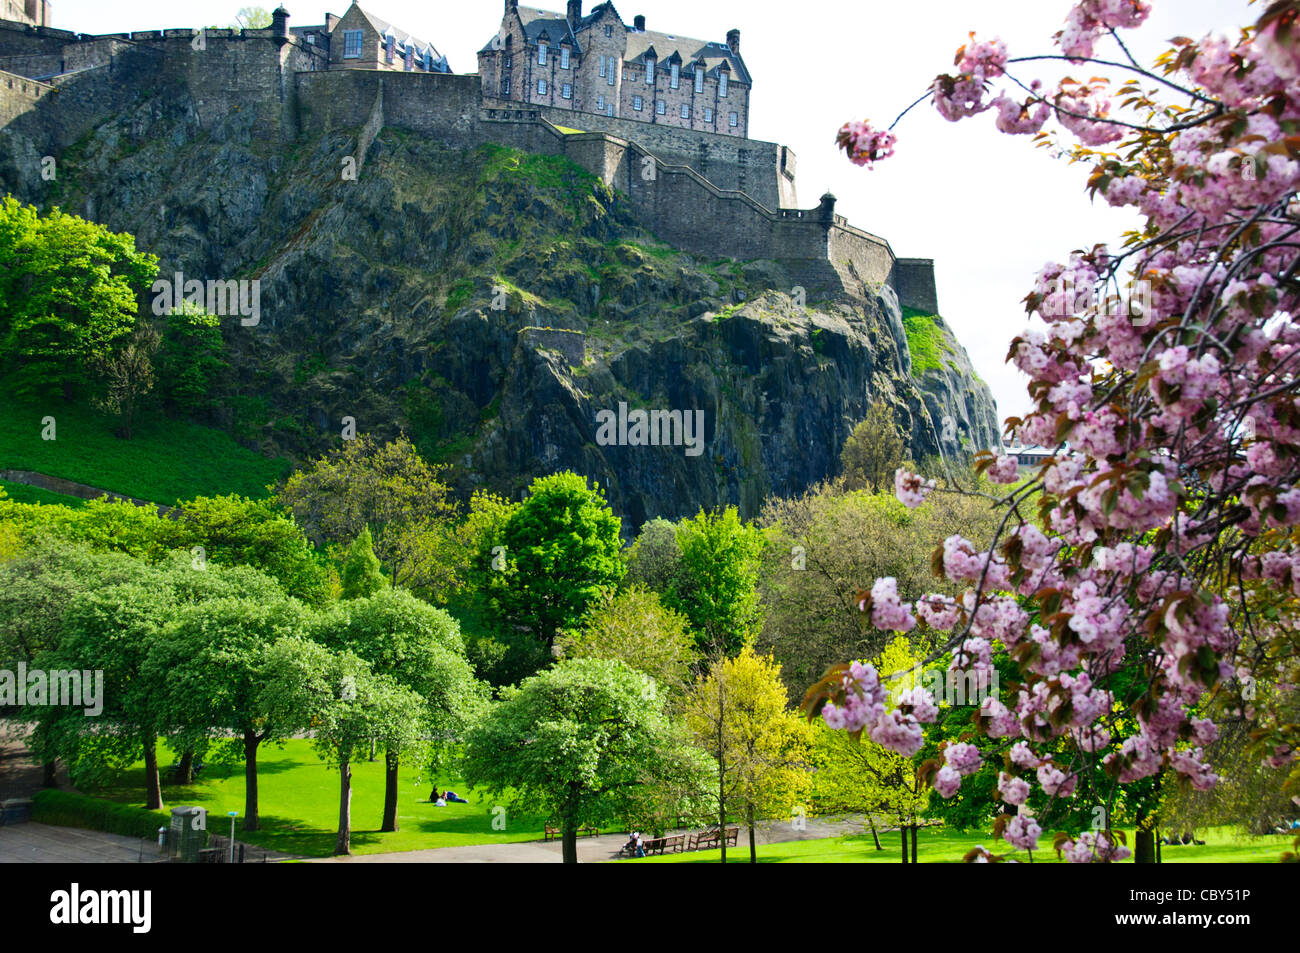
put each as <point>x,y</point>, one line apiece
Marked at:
<point>232,815</point>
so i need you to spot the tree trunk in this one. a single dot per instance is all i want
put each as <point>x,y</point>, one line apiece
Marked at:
<point>344,843</point>
<point>153,783</point>
<point>1144,847</point>
<point>1158,852</point>
<point>392,761</point>
<point>50,776</point>
<point>902,830</point>
<point>569,842</point>
<point>875,835</point>
<point>749,816</point>
<point>185,771</point>
<point>372,749</point>
<point>251,741</point>
<point>722,772</point>
<point>914,843</point>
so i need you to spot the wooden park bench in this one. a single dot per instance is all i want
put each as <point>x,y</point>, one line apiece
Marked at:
<point>550,833</point>
<point>707,840</point>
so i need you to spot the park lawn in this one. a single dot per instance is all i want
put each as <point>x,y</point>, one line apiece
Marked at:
<point>298,800</point>
<point>165,461</point>
<point>1222,845</point>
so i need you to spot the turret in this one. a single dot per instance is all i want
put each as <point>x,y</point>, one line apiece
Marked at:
<point>280,25</point>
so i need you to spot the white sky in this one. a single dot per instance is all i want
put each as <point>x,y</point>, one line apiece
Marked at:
<point>989,208</point>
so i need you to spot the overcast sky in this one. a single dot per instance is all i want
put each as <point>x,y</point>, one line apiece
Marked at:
<point>989,208</point>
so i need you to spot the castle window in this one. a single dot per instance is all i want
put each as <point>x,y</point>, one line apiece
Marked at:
<point>564,57</point>
<point>609,110</point>
<point>612,75</point>
<point>661,107</point>
<point>351,44</point>
<point>541,89</point>
<point>650,71</point>
<point>637,103</point>
<point>699,79</point>
<point>686,111</point>
<point>604,66</point>
<point>566,91</point>
<point>708,114</point>
<point>722,85</point>
<point>600,102</point>
<point>509,61</point>
<point>505,86</point>
<point>735,120</point>
<point>675,80</point>
<point>609,30</point>
<point>541,54</point>
<point>389,40</point>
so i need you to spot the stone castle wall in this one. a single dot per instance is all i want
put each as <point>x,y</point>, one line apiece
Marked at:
<point>707,194</point>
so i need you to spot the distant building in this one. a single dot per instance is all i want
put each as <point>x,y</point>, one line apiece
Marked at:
<point>1031,457</point>
<point>600,65</point>
<point>361,40</point>
<point>34,12</point>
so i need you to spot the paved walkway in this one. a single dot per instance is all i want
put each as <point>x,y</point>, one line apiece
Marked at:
<point>591,850</point>
<point>33,843</point>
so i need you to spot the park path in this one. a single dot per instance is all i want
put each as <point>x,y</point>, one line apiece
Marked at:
<point>33,843</point>
<point>591,850</point>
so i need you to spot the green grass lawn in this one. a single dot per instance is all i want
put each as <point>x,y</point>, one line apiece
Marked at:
<point>165,461</point>
<point>298,800</point>
<point>1222,845</point>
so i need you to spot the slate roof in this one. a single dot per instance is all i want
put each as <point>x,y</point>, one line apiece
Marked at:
<point>558,28</point>
<point>402,39</point>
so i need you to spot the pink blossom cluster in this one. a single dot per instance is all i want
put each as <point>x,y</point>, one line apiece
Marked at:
<point>865,144</point>
<point>1022,831</point>
<point>1093,848</point>
<point>911,489</point>
<point>1090,19</point>
<point>864,708</point>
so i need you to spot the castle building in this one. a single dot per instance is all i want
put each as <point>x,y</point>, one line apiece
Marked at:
<point>598,64</point>
<point>361,40</point>
<point>33,12</point>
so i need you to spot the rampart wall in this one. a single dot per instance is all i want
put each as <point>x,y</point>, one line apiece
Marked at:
<point>706,194</point>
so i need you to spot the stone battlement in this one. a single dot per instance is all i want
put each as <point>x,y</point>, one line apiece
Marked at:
<point>721,196</point>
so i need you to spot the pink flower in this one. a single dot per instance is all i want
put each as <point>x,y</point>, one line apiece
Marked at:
<point>1022,832</point>
<point>864,144</point>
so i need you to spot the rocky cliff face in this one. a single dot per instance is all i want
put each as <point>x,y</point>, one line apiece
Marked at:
<point>402,298</point>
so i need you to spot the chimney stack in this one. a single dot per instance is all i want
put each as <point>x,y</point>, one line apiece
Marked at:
<point>575,11</point>
<point>638,23</point>
<point>511,6</point>
<point>733,41</point>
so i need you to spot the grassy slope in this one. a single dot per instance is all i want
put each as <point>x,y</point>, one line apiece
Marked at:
<point>937,847</point>
<point>165,461</point>
<point>22,493</point>
<point>298,800</point>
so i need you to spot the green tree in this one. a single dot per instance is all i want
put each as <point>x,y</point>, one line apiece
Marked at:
<point>654,559</point>
<point>717,586</point>
<point>858,776</point>
<point>739,713</point>
<point>873,451</point>
<point>234,530</point>
<point>634,626</point>
<point>212,661</point>
<point>392,490</point>
<point>191,360</point>
<point>577,743</point>
<point>560,550</point>
<point>127,376</point>
<point>420,648</point>
<point>69,294</point>
<point>361,573</point>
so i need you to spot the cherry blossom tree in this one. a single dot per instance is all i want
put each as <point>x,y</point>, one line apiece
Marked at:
<point>1161,537</point>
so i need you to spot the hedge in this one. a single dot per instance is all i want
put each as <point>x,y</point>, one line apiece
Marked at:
<point>66,809</point>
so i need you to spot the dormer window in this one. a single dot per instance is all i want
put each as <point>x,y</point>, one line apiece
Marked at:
<point>650,71</point>
<point>541,54</point>
<point>428,62</point>
<point>675,77</point>
<point>351,44</point>
<point>564,57</point>
<point>699,78</point>
<point>722,84</point>
<point>389,42</point>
